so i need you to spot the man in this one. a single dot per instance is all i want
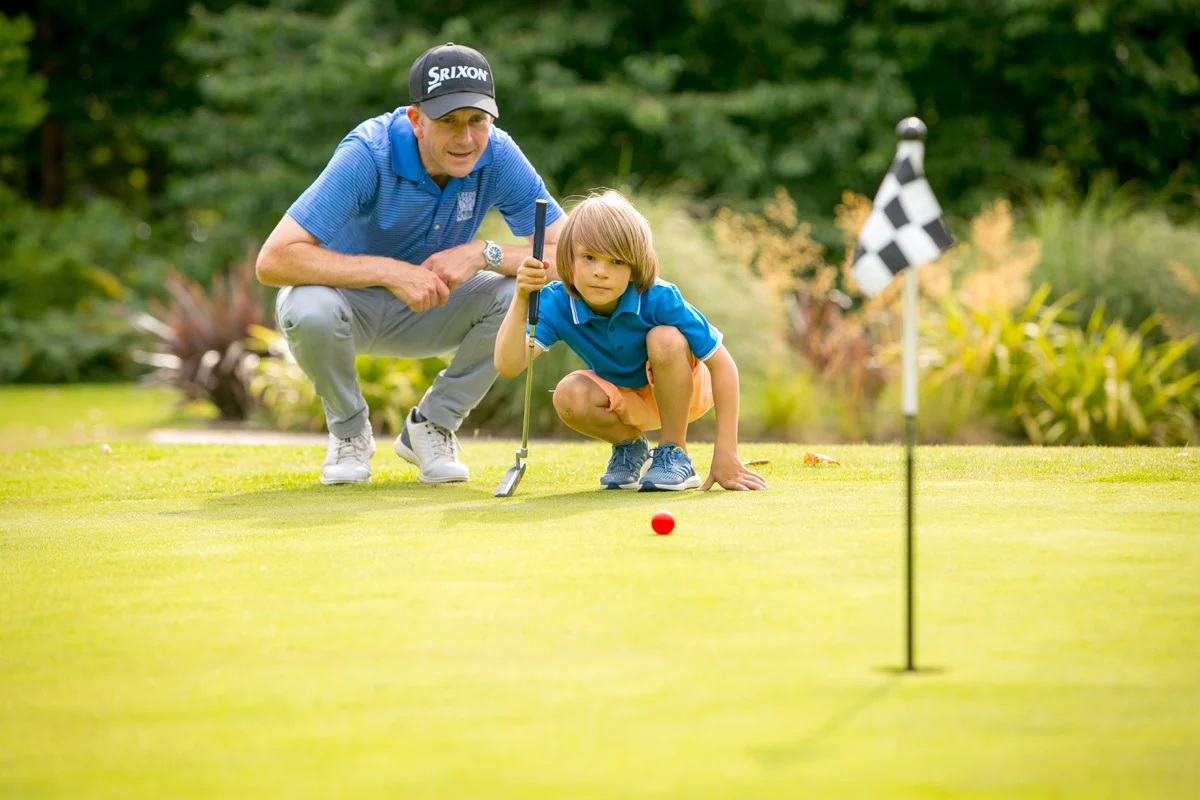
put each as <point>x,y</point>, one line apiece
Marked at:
<point>379,256</point>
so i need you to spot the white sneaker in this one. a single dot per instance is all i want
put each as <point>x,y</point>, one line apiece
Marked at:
<point>432,448</point>
<point>349,460</point>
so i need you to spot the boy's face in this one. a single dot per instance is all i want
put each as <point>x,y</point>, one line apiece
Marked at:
<point>450,145</point>
<point>600,280</point>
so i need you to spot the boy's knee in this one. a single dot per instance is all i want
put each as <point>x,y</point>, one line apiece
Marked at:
<point>312,311</point>
<point>574,395</point>
<point>665,343</point>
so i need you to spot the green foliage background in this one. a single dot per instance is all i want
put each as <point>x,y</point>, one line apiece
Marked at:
<point>220,114</point>
<point>148,134</point>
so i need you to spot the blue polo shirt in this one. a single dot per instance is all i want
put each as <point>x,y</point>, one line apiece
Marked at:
<point>615,347</point>
<point>375,198</point>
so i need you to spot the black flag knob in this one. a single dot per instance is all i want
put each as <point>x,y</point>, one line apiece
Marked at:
<point>911,128</point>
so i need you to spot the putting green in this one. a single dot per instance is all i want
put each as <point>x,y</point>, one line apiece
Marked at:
<point>188,621</point>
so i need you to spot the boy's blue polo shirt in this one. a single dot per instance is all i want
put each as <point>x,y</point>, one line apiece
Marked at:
<point>615,347</point>
<point>375,197</point>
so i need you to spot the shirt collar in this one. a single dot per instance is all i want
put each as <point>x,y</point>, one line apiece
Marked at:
<point>406,160</point>
<point>630,303</point>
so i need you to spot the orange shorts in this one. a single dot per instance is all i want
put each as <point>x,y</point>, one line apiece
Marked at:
<point>637,408</point>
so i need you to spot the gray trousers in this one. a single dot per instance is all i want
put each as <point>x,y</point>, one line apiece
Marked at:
<point>325,328</point>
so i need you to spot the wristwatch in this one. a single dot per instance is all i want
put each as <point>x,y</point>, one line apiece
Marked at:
<point>493,255</point>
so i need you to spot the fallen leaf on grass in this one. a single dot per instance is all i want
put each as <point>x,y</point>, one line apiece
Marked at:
<point>816,459</point>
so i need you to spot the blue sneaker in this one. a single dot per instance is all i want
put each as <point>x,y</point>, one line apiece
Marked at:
<point>670,471</point>
<point>625,465</point>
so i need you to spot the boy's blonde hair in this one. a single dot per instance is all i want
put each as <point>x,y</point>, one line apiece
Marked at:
<point>606,224</point>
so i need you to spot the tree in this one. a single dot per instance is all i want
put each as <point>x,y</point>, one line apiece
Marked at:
<point>109,71</point>
<point>22,103</point>
<point>1014,91</point>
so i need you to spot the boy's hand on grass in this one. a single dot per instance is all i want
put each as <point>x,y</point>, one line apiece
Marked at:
<point>729,471</point>
<point>531,276</point>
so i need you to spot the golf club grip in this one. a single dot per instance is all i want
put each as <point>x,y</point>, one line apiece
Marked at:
<point>539,242</point>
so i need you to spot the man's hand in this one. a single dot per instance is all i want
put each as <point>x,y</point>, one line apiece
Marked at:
<point>531,276</point>
<point>728,470</point>
<point>419,288</point>
<point>456,266</point>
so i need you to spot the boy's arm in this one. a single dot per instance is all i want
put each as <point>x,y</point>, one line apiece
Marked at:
<point>512,345</point>
<point>727,469</point>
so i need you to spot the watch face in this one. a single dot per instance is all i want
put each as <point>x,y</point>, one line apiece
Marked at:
<point>493,254</point>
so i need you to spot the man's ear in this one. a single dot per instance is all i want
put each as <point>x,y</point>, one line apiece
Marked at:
<point>414,119</point>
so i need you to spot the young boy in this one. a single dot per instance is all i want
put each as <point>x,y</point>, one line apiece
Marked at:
<point>655,361</point>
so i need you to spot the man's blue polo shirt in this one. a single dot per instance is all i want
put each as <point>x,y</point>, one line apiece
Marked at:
<point>615,347</point>
<point>375,198</point>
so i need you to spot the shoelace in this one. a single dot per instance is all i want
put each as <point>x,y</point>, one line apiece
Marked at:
<point>672,458</point>
<point>347,449</point>
<point>621,457</point>
<point>444,442</point>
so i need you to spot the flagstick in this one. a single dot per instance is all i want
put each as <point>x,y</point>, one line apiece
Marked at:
<point>903,231</point>
<point>911,133</point>
<point>910,436</point>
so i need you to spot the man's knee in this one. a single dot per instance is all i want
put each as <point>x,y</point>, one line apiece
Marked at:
<point>499,291</point>
<point>505,290</point>
<point>313,311</point>
<point>666,343</point>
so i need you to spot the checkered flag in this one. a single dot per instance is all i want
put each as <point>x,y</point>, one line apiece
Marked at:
<point>904,229</point>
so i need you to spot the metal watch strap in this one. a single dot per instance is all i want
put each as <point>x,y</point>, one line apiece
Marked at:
<point>492,255</point>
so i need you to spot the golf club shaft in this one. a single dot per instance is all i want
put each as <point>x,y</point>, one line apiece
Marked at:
<point>539,243</point>
<point>528,390</point>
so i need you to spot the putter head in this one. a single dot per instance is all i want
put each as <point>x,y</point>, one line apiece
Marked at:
<point>508,484</point>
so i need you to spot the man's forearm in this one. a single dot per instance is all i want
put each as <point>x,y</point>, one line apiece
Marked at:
<point>514,254</point>
<point>304,264</point>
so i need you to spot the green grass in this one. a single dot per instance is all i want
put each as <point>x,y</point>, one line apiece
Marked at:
<point>53,416</point>
<point>188,621</point>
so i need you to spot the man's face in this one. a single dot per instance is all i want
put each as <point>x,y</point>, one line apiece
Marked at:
<point>451,145</point>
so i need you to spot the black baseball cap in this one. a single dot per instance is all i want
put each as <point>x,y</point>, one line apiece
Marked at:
<point>451,76</point>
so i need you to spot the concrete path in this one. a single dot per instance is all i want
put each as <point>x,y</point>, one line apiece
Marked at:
<point>234,436</point>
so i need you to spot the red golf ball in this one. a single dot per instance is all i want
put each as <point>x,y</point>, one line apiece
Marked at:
<point>662,522</point>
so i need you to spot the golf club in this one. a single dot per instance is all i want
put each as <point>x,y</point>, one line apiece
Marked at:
<point>513,475</point>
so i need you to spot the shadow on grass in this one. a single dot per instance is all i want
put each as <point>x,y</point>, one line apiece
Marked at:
<point>805,748</point>
<point>915,672</point>
<point>454,505</point>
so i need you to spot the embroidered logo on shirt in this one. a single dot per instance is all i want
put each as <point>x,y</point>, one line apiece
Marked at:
<point>466,206</point>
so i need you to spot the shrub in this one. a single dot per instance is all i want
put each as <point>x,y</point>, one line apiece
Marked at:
<point>1057,383</point>
<point>1023,366</point>
<point>199,337</point>
<point>980,367</point>
<point>830,340</point>
<point>977,310</point>
<point>89,343</point>
<point>998,361</point>
<point>1134,264</point>
<point>810,313</point>
<point>1104,385</point>
<point>59,273</point>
